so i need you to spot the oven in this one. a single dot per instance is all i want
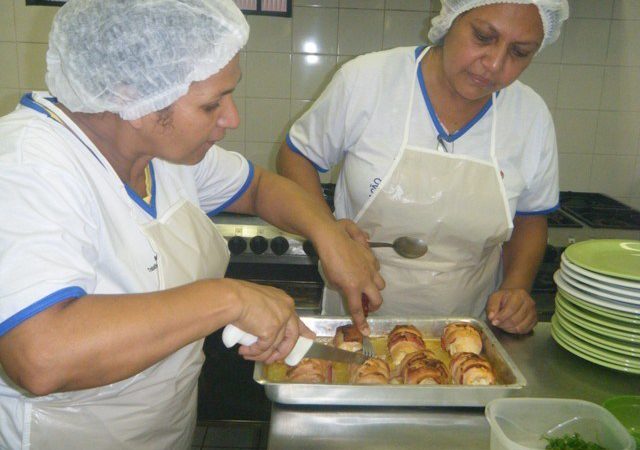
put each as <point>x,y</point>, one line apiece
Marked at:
<point>263,254</point>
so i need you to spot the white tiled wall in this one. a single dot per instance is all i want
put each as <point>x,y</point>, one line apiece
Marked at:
<point>590,78</point>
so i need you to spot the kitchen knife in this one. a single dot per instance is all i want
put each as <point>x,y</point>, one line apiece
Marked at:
<point>304,348</point>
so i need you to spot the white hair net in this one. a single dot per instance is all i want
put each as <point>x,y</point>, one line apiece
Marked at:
<point>134,57</point>
<point>552,13</point>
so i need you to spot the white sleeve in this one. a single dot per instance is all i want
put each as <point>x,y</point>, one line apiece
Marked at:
<point>320,135</point>
<point>47,240</point>
<point>541,194</point>
<point>221,178</point>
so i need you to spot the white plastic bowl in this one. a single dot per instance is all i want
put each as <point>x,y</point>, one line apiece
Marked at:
<point>522,423</point>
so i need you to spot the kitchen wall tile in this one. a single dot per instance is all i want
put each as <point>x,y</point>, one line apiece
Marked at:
<point>623,49</point>
<point>543,78</point>
<point>238,134</point>
<point>551,53</point>
<point>614,175</point>
<point>7,21</point>
<point>325,3</point>
<point>635,188</point>
<point>574,172</point>
<point>359,31</point>
<point>576,130</point>
<point>315,30</point>
<point>404,28</point>
<point>270,34</point>
<point>9,99</point>
<point>33,22</point>
<point>362,4</point>
<point>233,146</point>
<point>268,75</point>
<point>618,133</point>
<point>32,65</point>
<point>408,5</point>
<point>626,9</point>
<point>240,90</point>
<point>585,41</point>
<point>580,87</point>
<point>310,75</point>
<point>297,108</point>
<point>621,90</point>
<point>435,5</point>
<point>262,154</point>
<point>594,9</point>
<point>9,62</point>
<point>266,119</point>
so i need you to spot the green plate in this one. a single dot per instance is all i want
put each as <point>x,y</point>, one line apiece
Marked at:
<point>559,336</point>
<point>587,347</point>
<point>616,257</point>
<point>598,319</point>
<point>619,316</point>
<point>613,345</point>
<point>575,316</point>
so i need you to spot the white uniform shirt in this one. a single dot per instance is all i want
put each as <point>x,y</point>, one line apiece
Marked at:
<point>70,227</point>
<point>359,119</point>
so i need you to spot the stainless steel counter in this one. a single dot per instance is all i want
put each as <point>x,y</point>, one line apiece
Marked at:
<point>550,371</point>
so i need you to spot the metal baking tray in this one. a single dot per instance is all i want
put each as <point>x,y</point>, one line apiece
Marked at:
<point>510,379</point>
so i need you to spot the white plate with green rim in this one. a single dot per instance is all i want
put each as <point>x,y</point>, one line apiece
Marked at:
<point>599,285</point>
<point>605,313</point>
<point>597,314</point>
<point>621,360</point>
<point>615,257</point>
<point>595,291</point>
<point>592,298</point>
<point>557,336</point>
<point>608,313</point>
<point>576,316</point>
<point>600,277</point>
<point>613,345</point>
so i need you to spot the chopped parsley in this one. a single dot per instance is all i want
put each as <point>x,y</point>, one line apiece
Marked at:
<point>571,442</point>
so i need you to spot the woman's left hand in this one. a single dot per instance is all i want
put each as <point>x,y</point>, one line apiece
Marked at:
<point>512,310</point>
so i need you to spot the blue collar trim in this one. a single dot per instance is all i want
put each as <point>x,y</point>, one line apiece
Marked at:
<point>150,208</point>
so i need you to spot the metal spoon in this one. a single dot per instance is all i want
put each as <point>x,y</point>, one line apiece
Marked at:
<point>405,246</point>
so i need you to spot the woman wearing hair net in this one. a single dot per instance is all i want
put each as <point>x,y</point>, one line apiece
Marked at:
<point>111,274</point>
<point>443,143</point>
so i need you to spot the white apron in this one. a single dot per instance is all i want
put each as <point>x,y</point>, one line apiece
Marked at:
<point>155,409</point>
<point>458,205</point>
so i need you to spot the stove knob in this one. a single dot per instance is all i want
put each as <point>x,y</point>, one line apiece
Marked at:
<point>279,245</point>
<point>237,245</point>
<point>309,249</point>
<point>258,245</point>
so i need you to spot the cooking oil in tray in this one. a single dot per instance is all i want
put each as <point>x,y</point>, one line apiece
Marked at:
<point>277,372</point>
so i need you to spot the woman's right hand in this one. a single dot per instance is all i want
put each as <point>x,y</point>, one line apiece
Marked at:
<point>269,314</point>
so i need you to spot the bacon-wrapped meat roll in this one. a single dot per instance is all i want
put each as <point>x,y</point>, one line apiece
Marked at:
<point>373,371</point>
<point>403,340</point>
<point>310,370</point>
<point>349,338</point>
<point>461,338</point>
<point>469,368</point>
<point>423,368</point>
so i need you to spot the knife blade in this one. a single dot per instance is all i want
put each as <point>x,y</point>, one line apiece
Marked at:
<point>304,348</point>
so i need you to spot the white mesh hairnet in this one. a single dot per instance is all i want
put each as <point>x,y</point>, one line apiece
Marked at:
<point>134,57</point>
<point>552,12</point>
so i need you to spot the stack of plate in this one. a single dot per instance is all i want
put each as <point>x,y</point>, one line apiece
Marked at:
<point>597,313</point>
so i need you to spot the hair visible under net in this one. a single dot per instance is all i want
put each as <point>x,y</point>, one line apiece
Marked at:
<point>134,57</point>
<point>552,13</point>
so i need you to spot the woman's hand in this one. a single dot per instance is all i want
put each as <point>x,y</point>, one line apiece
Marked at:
<point>351,267</point>
<point>269,314</point>
<point>512,310</point>
<point>354,231</point>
